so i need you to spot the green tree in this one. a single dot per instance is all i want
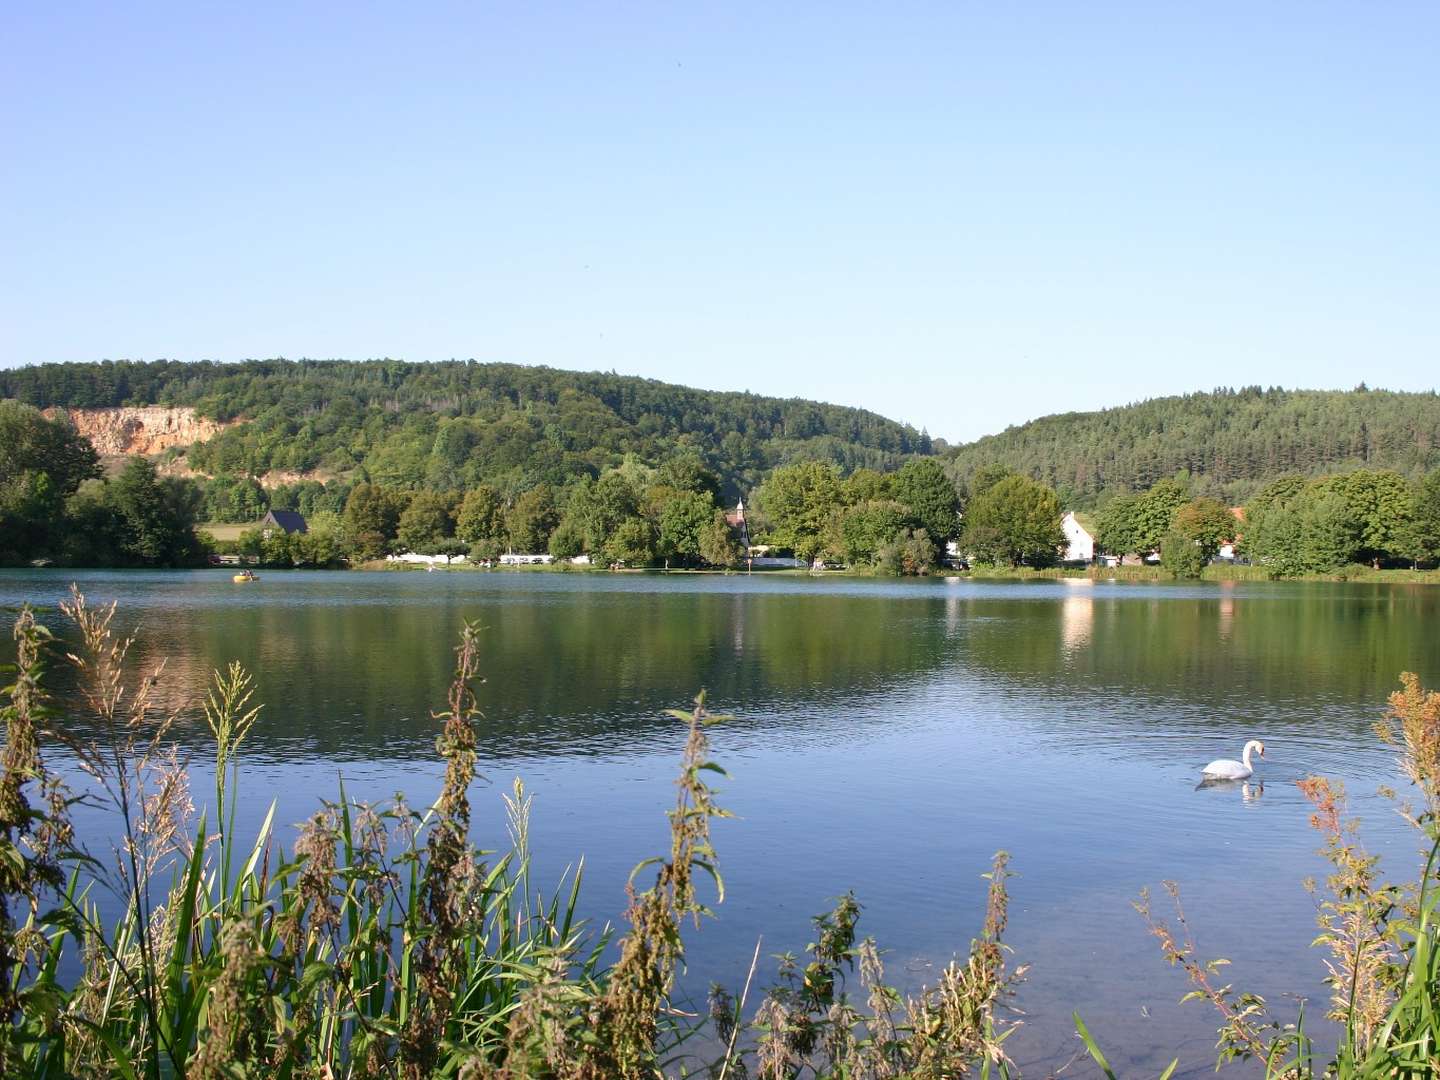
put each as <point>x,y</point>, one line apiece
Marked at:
<point>235,499</point>
<point>1313,531</point>
<point>1330,532</point>
<point>1154,514</point>
<point>718,545</point>
<point>42,463</point>
<point>799,500</point>
<point>425,523</point>
<point>1281,490</point>
<point>155,515</point>
<point>986,477</point>
<point>278,548</point>
<point>1426,523</point>
<point>598,508</point>
<point>688,472</point>
<point>372,516</point>
<point>567,540</point>
<point>683,521</point>
<point>908,552</point>
<point>1380,506</point>
<point>868,527</point>
<point>921,484</point>
<point>917,553</point>
<point>1182,555</point>
<point>632,544</point>
<point>1274,538</point>
<point>1207,524</point>
<point>325,543</point>
<point>1116,529</point>
<point>531,520</point>
<point>866,485</point>
<point>29,443</point>
<point>1015,521</point>
<point>1231,441</point>
<point>482,516</point>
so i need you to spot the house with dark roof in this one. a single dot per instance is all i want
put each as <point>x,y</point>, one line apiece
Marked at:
<point>287,521</point>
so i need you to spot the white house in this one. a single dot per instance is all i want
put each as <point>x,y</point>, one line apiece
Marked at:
<point>1079,541</point>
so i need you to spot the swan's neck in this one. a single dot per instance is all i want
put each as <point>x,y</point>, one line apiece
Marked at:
<point>1245,757</point>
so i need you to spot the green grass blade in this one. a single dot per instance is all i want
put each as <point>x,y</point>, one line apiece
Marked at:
<point>1093,1047</point>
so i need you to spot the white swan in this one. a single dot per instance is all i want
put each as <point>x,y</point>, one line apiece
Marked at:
<point>1225,769</point>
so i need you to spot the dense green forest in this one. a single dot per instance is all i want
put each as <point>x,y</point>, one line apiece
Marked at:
<point>1230,442</point>
<point>451,426</point>
<point>461,457</point>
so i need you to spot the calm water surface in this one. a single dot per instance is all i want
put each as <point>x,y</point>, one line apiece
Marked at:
<point>888,738</point>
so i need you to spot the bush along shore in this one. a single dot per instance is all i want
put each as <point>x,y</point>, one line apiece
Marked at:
<point>384,943</point>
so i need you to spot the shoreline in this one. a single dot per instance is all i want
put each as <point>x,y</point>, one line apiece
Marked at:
<point>1217,573</point>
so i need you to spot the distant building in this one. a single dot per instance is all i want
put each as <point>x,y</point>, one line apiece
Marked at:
<point>287,521</point>
<point>1079,540</point>
<point>1227,551</point>
<point>736,520</point>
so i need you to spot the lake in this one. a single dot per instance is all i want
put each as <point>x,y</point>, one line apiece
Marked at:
<point>888,737</point>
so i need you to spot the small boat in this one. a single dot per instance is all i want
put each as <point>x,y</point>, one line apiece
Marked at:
<point>245,575</point>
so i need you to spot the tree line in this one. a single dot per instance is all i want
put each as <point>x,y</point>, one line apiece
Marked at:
<point>455,425</point>
<point>1230,443</point>
<point>56,504</point>
<point>1293,525</point>
<point>640,515</point>
<point>633,515</point>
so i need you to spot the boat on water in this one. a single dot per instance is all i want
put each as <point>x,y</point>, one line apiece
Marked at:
<point>244,575</point>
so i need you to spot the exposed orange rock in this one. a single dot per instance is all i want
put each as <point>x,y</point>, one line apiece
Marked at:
<point>149,429</point>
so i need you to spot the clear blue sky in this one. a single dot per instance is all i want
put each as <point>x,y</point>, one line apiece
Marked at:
<point>960,215</point>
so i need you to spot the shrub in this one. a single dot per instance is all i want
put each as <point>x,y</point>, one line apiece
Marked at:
<point>1182,556</point>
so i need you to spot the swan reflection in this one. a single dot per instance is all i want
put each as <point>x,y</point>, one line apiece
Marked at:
<point>1250,790</point>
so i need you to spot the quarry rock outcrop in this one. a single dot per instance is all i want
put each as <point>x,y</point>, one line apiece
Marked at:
<point>148,429</point>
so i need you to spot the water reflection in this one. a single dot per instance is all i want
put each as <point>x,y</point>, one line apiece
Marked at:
<point>1226,609</point>
<point>1077,616</point>
<point>1248,790</point>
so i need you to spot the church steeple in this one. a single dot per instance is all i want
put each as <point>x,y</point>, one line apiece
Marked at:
<point>736,520</point>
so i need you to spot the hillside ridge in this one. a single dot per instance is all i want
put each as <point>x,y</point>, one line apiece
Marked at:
<point>452,424</point>
<point>1229,441</point>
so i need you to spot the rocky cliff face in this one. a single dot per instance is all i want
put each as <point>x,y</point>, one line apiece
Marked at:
<point>146,430</point>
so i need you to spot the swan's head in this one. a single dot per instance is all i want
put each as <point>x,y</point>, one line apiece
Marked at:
<point>1257,746</point>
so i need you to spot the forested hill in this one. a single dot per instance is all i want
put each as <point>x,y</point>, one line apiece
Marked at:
<point>1230,441</point>
<point>453,425</point>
